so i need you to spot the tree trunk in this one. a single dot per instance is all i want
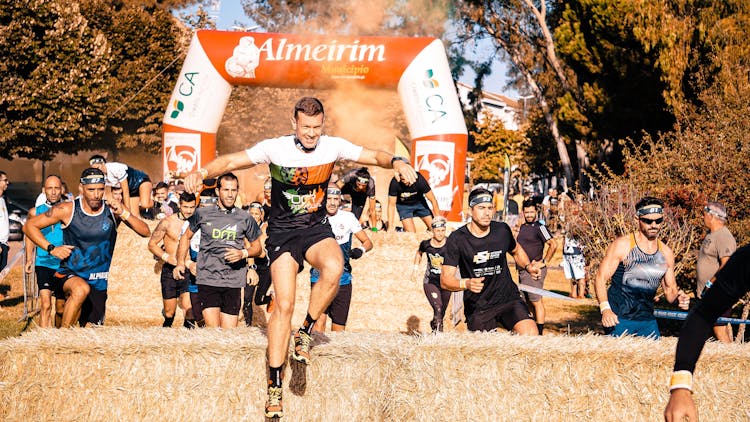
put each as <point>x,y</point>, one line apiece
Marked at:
<point>582,156</point>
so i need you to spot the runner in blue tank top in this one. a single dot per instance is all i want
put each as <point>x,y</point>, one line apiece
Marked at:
<point>89,234</point>
<point>45,265</point>
<point>637,263</point>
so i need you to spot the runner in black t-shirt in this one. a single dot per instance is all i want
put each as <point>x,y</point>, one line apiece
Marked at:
<point>478,250</point>
<point>360,186</point>
<point>728,286</point>
<point>410,199</point>
<point>435,250</point>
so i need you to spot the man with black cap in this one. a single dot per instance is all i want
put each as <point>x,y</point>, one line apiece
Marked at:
<point>89,235</point>
<point>638,263</point>
<point>475,262</point>
<point>717,247</point>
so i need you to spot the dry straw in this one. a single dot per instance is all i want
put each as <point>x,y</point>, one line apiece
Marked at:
<point>131,370</point>
<point>122,373</point>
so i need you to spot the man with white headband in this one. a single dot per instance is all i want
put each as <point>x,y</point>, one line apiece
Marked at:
<point>344,225</point>
<point>637,263</point>
<point>89,235</point>
<point>475,262</point>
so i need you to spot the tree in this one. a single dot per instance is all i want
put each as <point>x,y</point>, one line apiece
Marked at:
<point>492,141</point>
<point>51,99</point>
<point>77,75</point>
<point>520,30</point>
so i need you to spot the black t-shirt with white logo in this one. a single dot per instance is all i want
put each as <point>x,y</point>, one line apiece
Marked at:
<point>435,258</point>
<point>483,257</point>
<point>412,194</point>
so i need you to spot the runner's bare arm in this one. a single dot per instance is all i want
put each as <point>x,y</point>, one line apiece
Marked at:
<point>402,169</point>
<point>449,281</point>
<point>156,238</point>
<point>433,201</point>
<point>669,282</point>
<point>616,252</point>
<point>391,213</point>
<point>182,250</point>
<point>222,164</point>
<point>30,248</point>
<point>60,213</point>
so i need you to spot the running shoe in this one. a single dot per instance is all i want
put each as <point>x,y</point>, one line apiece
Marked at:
<point>301,351</point>
<point>274,407</point>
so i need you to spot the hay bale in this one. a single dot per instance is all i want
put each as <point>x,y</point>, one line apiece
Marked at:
<point>125,373</point>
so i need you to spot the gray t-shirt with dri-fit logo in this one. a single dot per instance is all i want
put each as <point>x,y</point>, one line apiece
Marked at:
<point>222,229</point>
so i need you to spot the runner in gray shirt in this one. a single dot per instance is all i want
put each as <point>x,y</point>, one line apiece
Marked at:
<point>229,235</point>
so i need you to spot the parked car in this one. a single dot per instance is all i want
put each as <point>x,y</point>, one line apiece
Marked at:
<point>16,219</point>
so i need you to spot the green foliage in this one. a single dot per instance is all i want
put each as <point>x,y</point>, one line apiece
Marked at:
<point>76,75</point>
<point>492,141</point>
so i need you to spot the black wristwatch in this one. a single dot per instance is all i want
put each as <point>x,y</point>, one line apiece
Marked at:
<point>50,248</point>
<point>397,158</point>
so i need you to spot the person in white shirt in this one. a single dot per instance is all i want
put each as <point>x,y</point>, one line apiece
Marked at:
<point>4,221</point>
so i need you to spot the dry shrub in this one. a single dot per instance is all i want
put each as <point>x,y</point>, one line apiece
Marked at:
<point>120,373</point>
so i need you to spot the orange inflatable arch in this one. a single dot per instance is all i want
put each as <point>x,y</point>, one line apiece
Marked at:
<point>417,67</point>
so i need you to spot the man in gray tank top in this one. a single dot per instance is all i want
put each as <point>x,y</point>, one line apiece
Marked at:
<point>637,264</point>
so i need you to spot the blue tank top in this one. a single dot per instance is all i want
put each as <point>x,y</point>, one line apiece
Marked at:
<point>631,293</point>
<point>54,235</point>
<point>93,238</point>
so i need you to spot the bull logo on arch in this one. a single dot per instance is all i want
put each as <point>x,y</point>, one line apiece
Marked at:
<point>416,66</point>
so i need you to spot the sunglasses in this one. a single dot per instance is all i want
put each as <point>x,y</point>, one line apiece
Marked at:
<point>649,221</point>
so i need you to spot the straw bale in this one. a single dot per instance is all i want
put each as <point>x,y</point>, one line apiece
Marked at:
<point>126,373</point>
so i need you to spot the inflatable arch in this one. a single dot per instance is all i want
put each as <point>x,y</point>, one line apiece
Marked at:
<point>417,67</point>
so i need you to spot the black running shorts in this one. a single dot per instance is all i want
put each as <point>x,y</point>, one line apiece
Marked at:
<point>296,242</point>
<point>227,299</point>
<point>507,314</point>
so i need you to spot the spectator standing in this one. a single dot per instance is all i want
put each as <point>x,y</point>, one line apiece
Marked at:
<point>4,221</point>
<point>715,250</point>
<point>534,238</point>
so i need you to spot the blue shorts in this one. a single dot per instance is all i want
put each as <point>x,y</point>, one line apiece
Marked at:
<point>419,209</point>
<point>135,179</point>
<point>627,327</point>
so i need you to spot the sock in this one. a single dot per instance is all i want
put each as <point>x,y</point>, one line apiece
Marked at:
<point>540,327</point>
<point>189,324</point>
<point>274,376</point>
<point>168,321</point>
<point>307,326</point>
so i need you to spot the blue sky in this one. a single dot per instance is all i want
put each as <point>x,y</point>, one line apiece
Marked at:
<point>230,14</point>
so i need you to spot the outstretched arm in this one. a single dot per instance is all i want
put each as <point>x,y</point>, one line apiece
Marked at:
<point>402,169</point>
<point>222,164</point>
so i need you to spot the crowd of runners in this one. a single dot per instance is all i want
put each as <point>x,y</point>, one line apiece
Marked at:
<point>221,255</point>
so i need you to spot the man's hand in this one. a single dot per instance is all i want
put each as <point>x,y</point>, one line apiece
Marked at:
<point>194,182</point>
<point>29,266</point>
<point>403,172</point>
<point>535,269</point>
<point>475,285</point>
<point>681,407</point>
<point>178,272</point>
<point>62,251</point>
<point>232,255</point>
<point>356,253</point>
<point>609,318</point>
<point>683,300</point>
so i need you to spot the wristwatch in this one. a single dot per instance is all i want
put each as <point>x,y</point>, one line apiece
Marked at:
<point>50,248</point>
